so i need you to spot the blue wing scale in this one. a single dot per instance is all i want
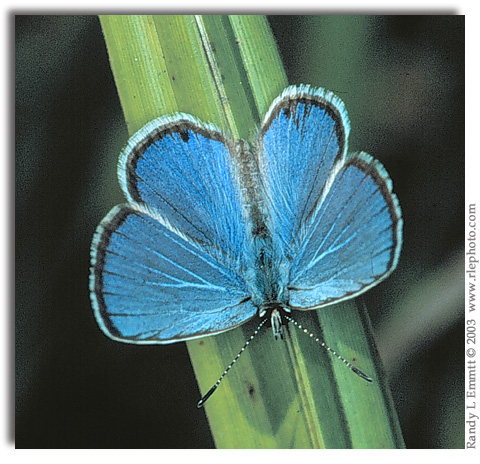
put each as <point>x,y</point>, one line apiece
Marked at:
<point>184,169</point>
<point>333,214</point>
<point>151,285</point>
<point>304,135</point>
<point>353,239</point>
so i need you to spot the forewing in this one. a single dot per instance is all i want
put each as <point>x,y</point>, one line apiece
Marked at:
<point>150,284</point>
<point>303,136</point>
<point>353,240</point>
<point>184,169</point>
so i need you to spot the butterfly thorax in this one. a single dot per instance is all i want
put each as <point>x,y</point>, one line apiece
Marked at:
<point>265,271</point>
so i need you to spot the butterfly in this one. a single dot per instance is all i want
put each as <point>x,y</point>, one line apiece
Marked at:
<point>216,231</point>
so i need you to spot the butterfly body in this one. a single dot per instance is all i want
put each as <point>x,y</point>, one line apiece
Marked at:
<point>215,231</point>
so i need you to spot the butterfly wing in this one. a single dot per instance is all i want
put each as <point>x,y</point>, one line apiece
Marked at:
<point>167,266</point>
<point>354,239</point>
<point>150,284</point>
<point>184,169</point>
<point>303,136</point>
<point>338,222</point>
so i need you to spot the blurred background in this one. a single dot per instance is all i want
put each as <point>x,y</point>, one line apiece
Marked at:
<point>402,80</point>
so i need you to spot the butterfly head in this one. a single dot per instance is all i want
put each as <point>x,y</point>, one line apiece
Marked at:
<point>275,311</point>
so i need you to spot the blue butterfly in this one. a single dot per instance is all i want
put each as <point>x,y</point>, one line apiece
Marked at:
<point>216,231</point>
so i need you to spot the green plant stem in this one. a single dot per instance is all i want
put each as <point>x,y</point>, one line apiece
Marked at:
<point>291,394</point>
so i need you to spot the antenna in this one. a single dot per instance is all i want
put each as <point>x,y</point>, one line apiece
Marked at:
<point>225,372</point>
<point>299,326</point>
<point>341,358</point>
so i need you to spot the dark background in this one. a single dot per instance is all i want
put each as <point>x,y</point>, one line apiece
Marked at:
<point>402,80</point>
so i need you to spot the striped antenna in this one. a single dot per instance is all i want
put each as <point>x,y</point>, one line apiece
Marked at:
<point>348,364</point>
<point>212,390</point>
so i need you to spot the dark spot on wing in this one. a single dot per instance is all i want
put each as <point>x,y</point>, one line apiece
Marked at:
<point>185,136</point>
<point>183,127</point>
<point>289,108</point>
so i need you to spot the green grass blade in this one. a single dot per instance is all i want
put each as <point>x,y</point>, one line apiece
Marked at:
<point>290,394</point>
<point>260,59</point>
<point>139,68</point>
